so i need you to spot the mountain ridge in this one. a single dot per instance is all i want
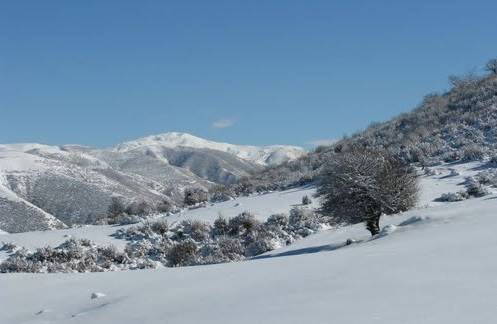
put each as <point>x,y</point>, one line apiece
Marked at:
<point>258,154</point>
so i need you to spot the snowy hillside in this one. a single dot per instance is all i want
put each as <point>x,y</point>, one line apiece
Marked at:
<point>262,206</point>
<point>428,265</point>
<point>45,187</point>
<point>266,155</point>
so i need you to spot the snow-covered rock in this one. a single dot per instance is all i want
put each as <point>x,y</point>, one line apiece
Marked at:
<point>97,295</point>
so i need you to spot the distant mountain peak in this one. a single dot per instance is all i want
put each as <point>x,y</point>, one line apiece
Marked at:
<point>263,155</point>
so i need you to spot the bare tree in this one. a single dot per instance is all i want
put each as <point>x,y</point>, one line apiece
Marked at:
<point>491,66</point>
<point>360,185</point>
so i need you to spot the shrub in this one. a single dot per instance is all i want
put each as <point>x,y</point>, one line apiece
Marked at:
<point>243,224</point>
<point>231,248</point>
<point>193,229</point>
<point>487,177</point>
<point>258,247</point>
<point>221,193</point>
<point>164,207</point>
<point>277,220</point>
<point>124,219</point>
<point>221,227</point>
<point>9,247</point>
<point>186,243</point>
<point>159,226</point>
<point>453,196</point>
<point>116,207</point>
<point>473,153</point>
<point>304,221</point>
<point>182,254</point>
<point>476,190</point>
<point>70,256</point>
<point>306,200</point>
<point>139,208</point>
<point>195,196</point>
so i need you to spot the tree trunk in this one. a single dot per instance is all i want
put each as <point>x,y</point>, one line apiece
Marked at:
<point>373,224</point>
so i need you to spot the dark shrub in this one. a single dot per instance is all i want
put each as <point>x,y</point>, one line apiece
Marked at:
<point>182,254</point>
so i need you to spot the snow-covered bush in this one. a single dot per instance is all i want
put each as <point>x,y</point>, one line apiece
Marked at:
<point>306,200</point>
<point>453,173</point>
<point>159,227</point>
<point>221,193</point>
<point>124,219</point>
<point>227,240</point>
<point>192,229</point>
<point>226,249</point>
<point>473,153</point>
<point>277,220</point>
<point>259,246</point>
<point>243,224</point>
<point>164,207</point>
<point>140,208</point>
<point>116,207</point>
<point>220,227</point>
<point>194,196</point>
<point>304,221</point>
<point>430,172</point>
<point>70,256</point>
<point>487,177</point>
<point>182,254</point>
<point>453,196</point>
<point>231,248</point>
<point>190,242</point>
<point>9,247</point>
<point>476,190</point>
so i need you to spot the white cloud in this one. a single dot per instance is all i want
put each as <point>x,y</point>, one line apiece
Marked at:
<point>223,123</point>
<point>322,142</point>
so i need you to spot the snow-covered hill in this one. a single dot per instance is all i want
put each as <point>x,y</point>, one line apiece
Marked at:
<point>45,187</point>
<point>433,264</point>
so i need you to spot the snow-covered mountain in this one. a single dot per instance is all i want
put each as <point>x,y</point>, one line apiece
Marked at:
<point>47,187</point>
<point>265,155</point>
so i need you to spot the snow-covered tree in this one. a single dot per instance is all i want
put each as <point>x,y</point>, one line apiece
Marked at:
<point>360,185</point>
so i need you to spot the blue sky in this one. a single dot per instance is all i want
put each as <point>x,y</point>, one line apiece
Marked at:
<point>247,72</point>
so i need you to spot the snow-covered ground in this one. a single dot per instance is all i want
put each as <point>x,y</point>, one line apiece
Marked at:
<point>434,264</point>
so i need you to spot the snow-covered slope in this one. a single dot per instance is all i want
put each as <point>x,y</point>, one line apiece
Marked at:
<point>262,206</point>
<point>266,155</point>
<point>45,187</point>
<point>431,265</point>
